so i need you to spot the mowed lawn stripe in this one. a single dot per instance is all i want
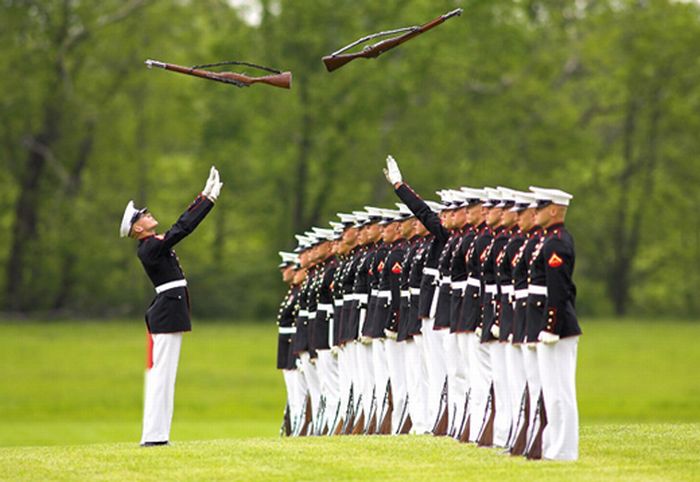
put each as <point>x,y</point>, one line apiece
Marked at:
<point>608,452</point>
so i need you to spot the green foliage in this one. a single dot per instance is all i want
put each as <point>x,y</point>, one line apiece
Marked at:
<point>597,98</point>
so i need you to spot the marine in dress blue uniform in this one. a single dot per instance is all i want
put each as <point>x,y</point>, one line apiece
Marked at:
<point>168,316</point>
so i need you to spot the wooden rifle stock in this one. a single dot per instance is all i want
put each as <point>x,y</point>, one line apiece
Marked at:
<point>338,59</point>
<point>282,80</point>
<point>334,62</point>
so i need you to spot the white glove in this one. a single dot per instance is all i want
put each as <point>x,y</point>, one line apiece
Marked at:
<point>390,334</point>
<point>496,331</point>
<point>391,171</point>
<point>510,338</point>
<point>213,186</point>
<point>477,332</point>
<point>365,340</point>
<point>547,337</point>
<point>299,365</point>
<point>335,350</point>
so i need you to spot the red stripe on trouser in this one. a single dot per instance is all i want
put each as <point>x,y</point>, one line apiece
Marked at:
<point>149,351</point>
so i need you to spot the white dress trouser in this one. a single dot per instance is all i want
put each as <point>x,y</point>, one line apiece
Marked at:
<point>557,362</point>
<point>534,386</point>
<point>344,379</point>
<point>296,397</point>
<point>435,363</point>
<point>502,419</point>
<point>365,376</point>
<point>313,382</point>
<point>516,385</point>
<point>159,393</point>
<point>380,368</point>
<point>397,374</point>
<point>417,385</point>
<point>328,371</point>
<point>464,347</point>
<point>480,376</point>
<point>456,381</point>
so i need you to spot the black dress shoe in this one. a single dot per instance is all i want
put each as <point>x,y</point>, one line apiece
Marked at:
<point>154,444</point>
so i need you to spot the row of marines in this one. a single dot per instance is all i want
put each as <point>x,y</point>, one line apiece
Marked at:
<point>454,318</point>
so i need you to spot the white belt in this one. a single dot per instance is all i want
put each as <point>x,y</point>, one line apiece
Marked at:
<point>406,293</point>
<point>304,313</point>
<point>312,315</point>
<point>414,291</point>
<point>473,282</point>
<point>374,292</point>
<point>459,285</point>
<point>507,289</point>
<point>520,294</point>
<point>384,294</point>
<point>357,297</point>
<point>431,271</point>
<point>445,280</point>
<point>178,283</point>
<point>491,289</point>
<point>537,290</point>
<point>287,330</point>
<point>338,303</point>
<point>327,307</point>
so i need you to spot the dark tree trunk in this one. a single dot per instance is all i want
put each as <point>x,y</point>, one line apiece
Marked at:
<point>302,166</point>
<point>67,274</point>
<point>618,279</point>
<point>26,209</point>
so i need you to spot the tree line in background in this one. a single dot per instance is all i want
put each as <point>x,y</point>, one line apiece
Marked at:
<point>597,97</point>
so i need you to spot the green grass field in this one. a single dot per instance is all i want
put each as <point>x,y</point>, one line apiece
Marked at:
<point>70,409</point>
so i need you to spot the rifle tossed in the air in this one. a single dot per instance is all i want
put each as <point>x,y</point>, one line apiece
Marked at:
<point>337,59</point>
<point>279,79</point>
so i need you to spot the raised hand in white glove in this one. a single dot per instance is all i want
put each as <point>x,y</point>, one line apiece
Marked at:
<point>390,334</point>
<point>392,172</point>
<point>547,337</point>
<point>213,186</point>
<point>496,331</point>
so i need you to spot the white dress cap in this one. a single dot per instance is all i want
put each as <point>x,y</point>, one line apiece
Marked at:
<point>472,193</point>
<point>128,219</point>
<point>507,197</point>
<point>346,218</point>
<point>325,234</point>
<point>287,258</point>
<point>304,241</point>
<point>555,196</point>
<point>373,211</point>
<point>437,207</point>
<point>403,209</point>
<point>336,226</point>
<point>391,214</point>
<point>493,197</point>
<point>523,200</point>
<point>459,199</point>
<point>361,218</point>
<point>445,196</point>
